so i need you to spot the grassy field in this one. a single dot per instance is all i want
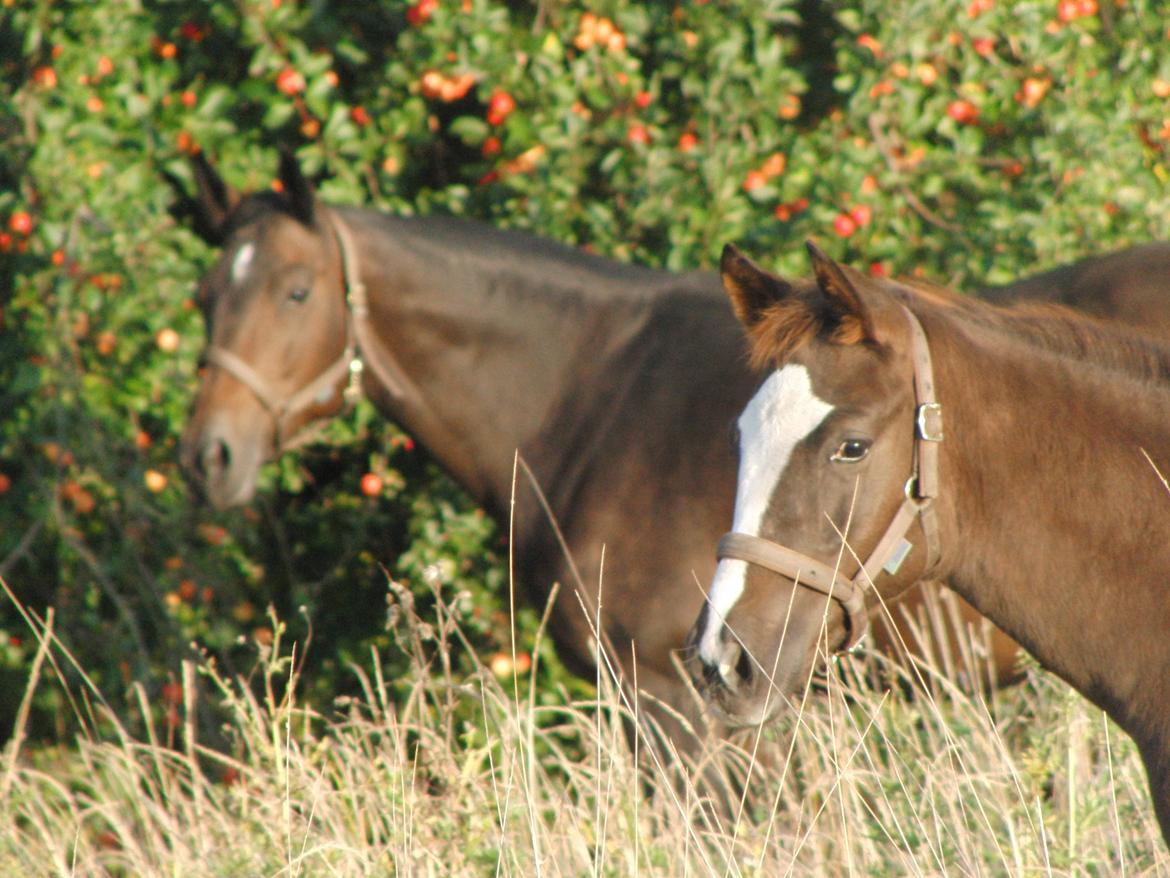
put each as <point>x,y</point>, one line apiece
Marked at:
<point>477,776</point>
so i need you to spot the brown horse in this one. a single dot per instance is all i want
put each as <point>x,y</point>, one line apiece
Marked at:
<point>616,384</point>
<point>1125,284</point>
<point>907,434</point>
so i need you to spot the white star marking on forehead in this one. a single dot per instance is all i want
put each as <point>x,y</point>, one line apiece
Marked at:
<point>242,261</point>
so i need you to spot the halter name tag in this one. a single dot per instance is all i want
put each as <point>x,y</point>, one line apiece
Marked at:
<point>899,555</point>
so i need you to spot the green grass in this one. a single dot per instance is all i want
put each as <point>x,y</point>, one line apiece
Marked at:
<point>437,775</point>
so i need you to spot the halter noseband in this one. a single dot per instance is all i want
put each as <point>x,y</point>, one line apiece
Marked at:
<point>893,547</point>
<point>322,388</point>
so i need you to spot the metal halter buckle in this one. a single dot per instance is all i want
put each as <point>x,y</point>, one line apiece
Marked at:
<point>929,422</point>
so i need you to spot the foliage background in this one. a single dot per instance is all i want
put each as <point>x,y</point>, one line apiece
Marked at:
<point>972,142</point>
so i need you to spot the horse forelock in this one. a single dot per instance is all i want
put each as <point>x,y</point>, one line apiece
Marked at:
<point>790,324</point>
<point>255,207</point>
<point>784,328</point>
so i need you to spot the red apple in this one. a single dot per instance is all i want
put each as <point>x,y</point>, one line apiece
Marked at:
<point>844,225</point>
<point>45,76</point>
<point>868,41</point>
<point>983,46</point>
<point>964,112</point>
<point>371,484</point>
<point>789,107</point>
<point>754,180</point>
<point>167,340</point>
<point>501,664</point>
<point>290,82</point>
<point>21,223</point>
<point>457,88</point>
<point>420,12</point>
<point>431,84</point>
<point>500,107</point>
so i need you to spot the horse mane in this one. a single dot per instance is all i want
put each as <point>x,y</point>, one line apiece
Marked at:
<point>1055,328</point>
<point>526,263</point>
<point>796,320</point>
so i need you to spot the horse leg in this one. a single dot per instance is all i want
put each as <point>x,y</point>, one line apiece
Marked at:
<point>1157,763</point>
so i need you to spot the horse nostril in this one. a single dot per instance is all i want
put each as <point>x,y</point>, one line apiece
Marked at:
<point>216,457</point>
<point>743,666</point>
<point>711,675</point>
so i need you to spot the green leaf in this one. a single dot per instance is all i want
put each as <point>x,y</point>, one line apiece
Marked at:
<point>278,114</point>
<point>472,130</point>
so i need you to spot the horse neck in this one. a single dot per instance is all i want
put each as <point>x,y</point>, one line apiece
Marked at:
<point>1055,522</point>
<point>504,343</point>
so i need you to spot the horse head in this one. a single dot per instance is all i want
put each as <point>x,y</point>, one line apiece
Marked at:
<point>279,335</point>
<point>830,487</point>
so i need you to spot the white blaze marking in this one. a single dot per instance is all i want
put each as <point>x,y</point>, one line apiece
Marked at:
<point>242,261</point>
<point>779,417</point>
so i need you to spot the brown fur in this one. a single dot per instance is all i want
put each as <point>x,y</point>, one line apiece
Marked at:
<point>1061,330</point>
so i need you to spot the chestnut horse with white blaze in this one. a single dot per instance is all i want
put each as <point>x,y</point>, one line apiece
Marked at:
<point>616,384</point>
<point>906,433</point>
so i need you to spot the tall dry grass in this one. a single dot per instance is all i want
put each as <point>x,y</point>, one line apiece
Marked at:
<point>463,776</point>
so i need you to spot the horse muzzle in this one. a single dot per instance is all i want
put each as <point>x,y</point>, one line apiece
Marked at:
<point>220,468</point>
<point>742,687</point>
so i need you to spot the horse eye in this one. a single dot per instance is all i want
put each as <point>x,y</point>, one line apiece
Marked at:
<point>851,451</point>
<point>299,294</point>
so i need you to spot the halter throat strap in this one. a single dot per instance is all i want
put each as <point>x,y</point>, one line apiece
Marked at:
<point>892,549</point>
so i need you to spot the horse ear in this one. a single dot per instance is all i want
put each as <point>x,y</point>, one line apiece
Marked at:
<point>214,200</point>
<point>752,290</point>
<point>297,189</point>
<point>848,310</point>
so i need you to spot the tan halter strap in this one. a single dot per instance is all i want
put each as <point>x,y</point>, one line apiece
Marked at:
<point>322,388</point>
<point>385,368</point>
<point>891,550</point>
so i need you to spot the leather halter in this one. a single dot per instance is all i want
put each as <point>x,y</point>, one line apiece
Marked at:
<point>893,547</point>
<point>324,387</point>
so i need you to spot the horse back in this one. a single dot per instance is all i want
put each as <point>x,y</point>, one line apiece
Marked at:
<point>1130,286</point>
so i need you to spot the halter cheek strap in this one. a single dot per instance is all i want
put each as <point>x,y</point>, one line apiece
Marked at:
<point>893,547</point>
<point>320,390</point>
